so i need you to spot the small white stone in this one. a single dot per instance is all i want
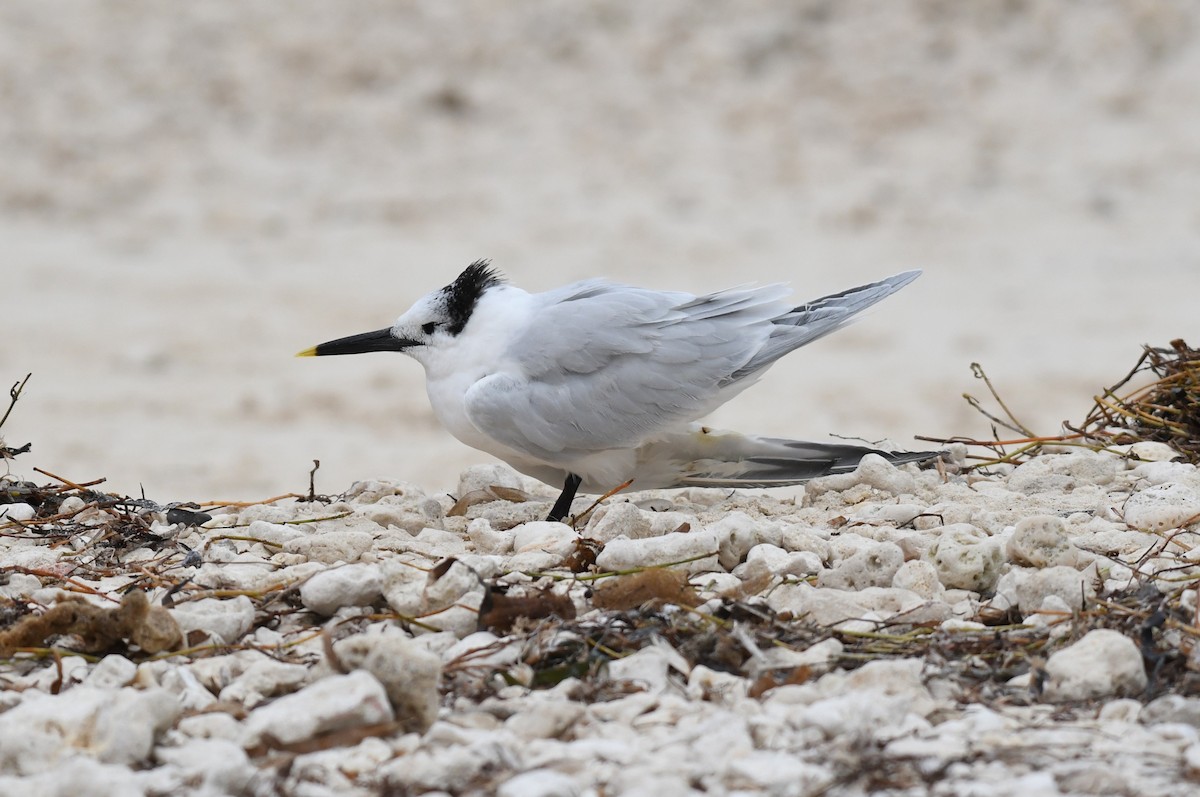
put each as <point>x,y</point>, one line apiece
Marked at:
<point>409,672</point>
<point>736,534</point>
<point>112,672</point>
<point>334,703</point>
<point>17,511</point>
<point>619,520</point>
<point>920,577</point>
<point>1071,586</point>
<point>347,585</point>
<point>966,558</point>
<point>226,620</point>
<point>1041,541</point>
<point>873,566</point>
<point>480,477</point>
<point>872,471</point>
<point>539,783</point>
<point>650,667</point>
<point>557,539</point>
<point>1150,451</point>
<point>1162,507</point>
<point>219,766</point>
<point>331,547</point>
<point>622,554</point>
<point>262,680</point>
<point>486,539</point>
<point>114,726</point>
<point>1103,663</point>
<point>275,533</point>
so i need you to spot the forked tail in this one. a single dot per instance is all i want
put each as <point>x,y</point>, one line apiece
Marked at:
<point>728,459</point>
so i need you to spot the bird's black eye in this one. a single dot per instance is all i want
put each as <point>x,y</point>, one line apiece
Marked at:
<point>428,327</point>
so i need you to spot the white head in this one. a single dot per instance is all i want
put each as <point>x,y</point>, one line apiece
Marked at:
<point>433,323</point>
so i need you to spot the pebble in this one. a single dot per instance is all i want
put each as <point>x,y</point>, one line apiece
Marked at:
<point>349,585</point>
<point>966,558</point>
<point>226,620</point>
<point>1162,507</point>
<point>409,672</point>
<point>334,703</point>
<point>1102,663</point>
<point>470,713</point>
<point>1041,541</point>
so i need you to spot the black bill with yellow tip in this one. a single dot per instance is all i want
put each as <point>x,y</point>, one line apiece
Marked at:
<point>379,340</point>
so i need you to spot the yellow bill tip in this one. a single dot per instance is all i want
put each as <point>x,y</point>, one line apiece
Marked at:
<point>307,352</point>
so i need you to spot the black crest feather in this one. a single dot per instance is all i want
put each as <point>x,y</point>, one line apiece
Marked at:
<point>462,294</point>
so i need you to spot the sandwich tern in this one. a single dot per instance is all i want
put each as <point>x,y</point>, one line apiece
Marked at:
<point>597,383</point>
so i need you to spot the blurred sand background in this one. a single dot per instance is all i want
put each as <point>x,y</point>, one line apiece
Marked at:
<point>190,193</point>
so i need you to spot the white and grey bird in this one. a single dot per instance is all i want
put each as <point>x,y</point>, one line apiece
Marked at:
<point>597,383</point>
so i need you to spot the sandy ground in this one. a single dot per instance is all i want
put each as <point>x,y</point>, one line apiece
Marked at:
<point>191,193</point>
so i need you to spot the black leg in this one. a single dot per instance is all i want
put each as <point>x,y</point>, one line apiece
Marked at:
<point>563,505</point>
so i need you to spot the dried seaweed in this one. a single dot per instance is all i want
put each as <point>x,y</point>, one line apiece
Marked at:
<point>1165,411</point>
<point>98,629</point>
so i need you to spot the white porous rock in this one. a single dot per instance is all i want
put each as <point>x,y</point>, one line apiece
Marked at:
<point>226,620</point>
<point>263,679</point>
<point>1162,507</point>
<point>631,520</point>
<point>1150,451</point>
<point>736,534</point>
<point>217,766</point>
<point>920,577</point>
<point>873,471</point>
<point>779,562</point>
<point>966,558</point>
<point>409,672</point>
<point>488,540</point>
<point>715,686</point>
<point>776,772</point>
<point>80,775</point>
<point>348,585</point>
<point>1041,541</point>
<point>331,547</point>
<point>185,686</point>
<point>115,726</point>
<point>1172,708</point>
<point>16,511</point>
<point>619,520</point>
<point>557,539</point>
<point>334,703</point>
<point>860,610</point>
<point>274,533</point>
<point>481,477</point>
<point>623,554</point>
<point>820,657</point>
<point>540,783</point>
<point>112,672</point>
<point>19,585</point>
<point>1073,587</point>
<point>545,718</point>
<point>1162,472</point>
<point>799,538</point>
<point>650,667</point>
<point>890,514</point>
<point>1103,663</point>
<point>872,566</point>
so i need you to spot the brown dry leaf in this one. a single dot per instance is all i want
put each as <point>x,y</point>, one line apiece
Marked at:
<point>499,612</point>
<point>631,591</point>
<point>495,492</point>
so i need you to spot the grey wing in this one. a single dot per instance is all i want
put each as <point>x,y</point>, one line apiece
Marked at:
<point>816,319</point>
<point>610,366</point>
<point>607,366</point>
